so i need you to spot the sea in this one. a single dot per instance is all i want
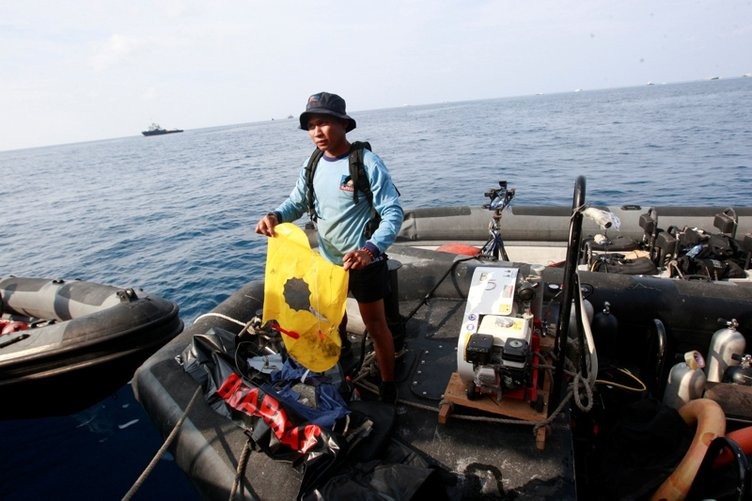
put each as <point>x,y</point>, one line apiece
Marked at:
<point>175,214</point>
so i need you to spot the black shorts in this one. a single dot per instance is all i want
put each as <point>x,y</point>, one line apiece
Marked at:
<point>371,283</point>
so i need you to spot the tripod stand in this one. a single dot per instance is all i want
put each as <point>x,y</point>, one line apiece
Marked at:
<point>500,198</point>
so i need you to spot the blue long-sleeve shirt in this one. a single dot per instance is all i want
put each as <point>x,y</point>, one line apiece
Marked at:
<point>340,221</point>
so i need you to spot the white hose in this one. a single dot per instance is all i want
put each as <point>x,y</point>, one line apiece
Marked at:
<point>593,356</point>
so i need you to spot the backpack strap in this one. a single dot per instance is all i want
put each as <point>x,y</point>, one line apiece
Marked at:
<point>313,161</point>
<point>358,171</point>
<point>362,183</point>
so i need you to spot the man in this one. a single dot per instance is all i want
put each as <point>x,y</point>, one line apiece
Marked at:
<point>341,220</point>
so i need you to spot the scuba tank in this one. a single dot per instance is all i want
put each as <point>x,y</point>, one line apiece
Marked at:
<point>723,345</point>
<point>605,330</point>
<point>573,329</point>
<point>739,374</point>
<point>686,380</point>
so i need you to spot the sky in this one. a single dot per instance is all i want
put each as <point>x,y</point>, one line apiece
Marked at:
<point>87,70</point>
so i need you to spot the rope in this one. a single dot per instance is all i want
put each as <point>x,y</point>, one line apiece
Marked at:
<point>429,294</point>
<point>624,387</point>
<point>554,414</point>
<point>579,383</point>
<point>168,441</point>
<point>225,317</point>
<point>242,463</point>
<point>240,471</point>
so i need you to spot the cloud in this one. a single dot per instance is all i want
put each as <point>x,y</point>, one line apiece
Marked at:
<point>199,64</point>
<point>116,49</point>
<point>150,93</point>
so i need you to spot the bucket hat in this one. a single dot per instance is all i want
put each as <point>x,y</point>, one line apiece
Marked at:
<point>325,103</point>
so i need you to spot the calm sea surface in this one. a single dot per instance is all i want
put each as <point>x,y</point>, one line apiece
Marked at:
<point>174,215</point>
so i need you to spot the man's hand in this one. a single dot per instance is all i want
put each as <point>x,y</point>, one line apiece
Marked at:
<point>357,259</point>
<point>266,225</point>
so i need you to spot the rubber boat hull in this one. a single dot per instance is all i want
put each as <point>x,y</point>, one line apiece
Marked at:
<point>535,223</point>
<point>88,341</point>
<point>658,319</point>
<point>208,446</point>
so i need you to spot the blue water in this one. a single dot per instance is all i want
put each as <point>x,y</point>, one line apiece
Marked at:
<point>174,215</point>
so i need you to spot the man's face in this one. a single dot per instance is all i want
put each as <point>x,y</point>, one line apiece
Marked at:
<point>327,133</point>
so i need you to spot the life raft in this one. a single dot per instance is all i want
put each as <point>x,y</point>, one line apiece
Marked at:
<point>83,342</point>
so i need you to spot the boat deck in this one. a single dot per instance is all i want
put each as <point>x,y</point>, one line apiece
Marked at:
<point>474,456</point>
<point>504,458</point>
<point>652,319</point>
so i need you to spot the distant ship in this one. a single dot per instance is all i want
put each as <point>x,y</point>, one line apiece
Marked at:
<point>156,130</point>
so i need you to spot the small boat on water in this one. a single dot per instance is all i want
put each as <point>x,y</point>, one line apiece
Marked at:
<point>66,344</point>
<point>539,361</point>
<point>156,130</point>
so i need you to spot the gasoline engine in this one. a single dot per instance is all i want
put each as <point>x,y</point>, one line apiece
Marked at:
<point>498,345</point>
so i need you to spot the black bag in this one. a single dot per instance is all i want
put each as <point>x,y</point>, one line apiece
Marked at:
<point>708,256</point>
<point>689,237</point>
<point>722,246</point>
<point>618,263</point>
<point>708,268</point>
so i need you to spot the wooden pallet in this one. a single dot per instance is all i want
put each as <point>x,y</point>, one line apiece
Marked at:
<point>456,394</point>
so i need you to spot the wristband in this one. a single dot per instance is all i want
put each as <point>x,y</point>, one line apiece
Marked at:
<point>372,250</point>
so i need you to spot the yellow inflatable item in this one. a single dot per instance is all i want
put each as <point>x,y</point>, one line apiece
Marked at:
<point>304,298</point>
